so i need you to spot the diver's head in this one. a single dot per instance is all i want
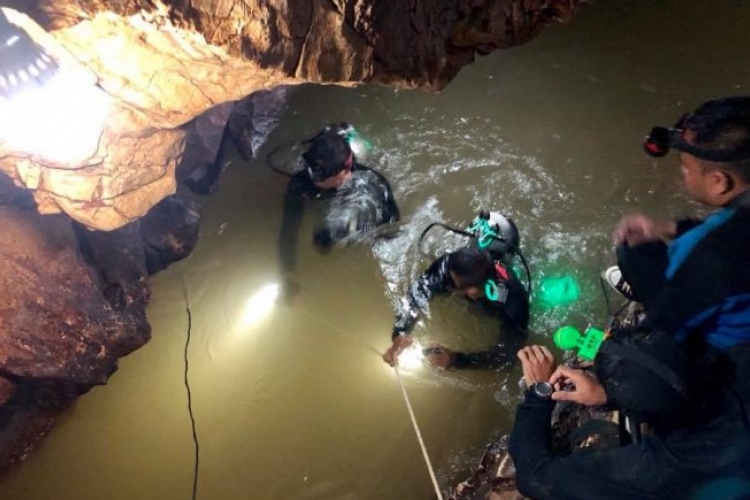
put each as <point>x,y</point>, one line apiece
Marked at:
<point>329,160</point>
<point>469,269</point>
<point>714,146</point>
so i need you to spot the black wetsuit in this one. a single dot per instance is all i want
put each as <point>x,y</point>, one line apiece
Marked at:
<point>513,310</point>
<point>364,202</point>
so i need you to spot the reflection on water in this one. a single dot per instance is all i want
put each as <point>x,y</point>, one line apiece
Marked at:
<point>290,395</point>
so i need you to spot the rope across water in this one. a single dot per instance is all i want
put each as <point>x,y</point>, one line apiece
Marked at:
<point>419,436</point>
<point>406,400</point>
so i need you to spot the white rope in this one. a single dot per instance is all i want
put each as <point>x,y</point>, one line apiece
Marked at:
<point>403,391</point>
<point>419,436</point>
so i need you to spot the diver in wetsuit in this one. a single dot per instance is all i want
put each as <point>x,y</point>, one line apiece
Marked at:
<point>482,277</point>
<point>359,199</point>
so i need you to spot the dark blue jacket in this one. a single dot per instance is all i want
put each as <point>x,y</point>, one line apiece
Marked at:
<point>707,280</point>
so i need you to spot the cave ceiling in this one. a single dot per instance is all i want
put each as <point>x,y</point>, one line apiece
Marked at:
<point>153,66</point>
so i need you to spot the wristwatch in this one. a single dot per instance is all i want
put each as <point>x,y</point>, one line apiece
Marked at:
<point>542,390</point>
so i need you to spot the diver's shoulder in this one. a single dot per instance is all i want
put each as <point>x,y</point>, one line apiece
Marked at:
<point>369,173</point>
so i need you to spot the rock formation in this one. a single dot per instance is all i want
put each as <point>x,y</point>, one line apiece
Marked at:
<point>85,224</point>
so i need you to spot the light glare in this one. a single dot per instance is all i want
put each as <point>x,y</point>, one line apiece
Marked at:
<point>412,357</point>
<point>260,305</point>
<point>60,120</point>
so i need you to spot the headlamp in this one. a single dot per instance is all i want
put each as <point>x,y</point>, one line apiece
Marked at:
<point>659,141</point>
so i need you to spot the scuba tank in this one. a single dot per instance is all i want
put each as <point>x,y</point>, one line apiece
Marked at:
<point>491,231</point>
<point>495,232</point>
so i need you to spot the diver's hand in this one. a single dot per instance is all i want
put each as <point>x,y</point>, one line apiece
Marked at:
<point>635,229</point>
<point>399,344</point>
<point>587,390</point>
<point>439,356</point>
<point>537,364</point>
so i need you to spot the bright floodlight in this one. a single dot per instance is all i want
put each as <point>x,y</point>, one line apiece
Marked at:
<point>50,112</point>
<point>23,64</point>
<point>61,121</point>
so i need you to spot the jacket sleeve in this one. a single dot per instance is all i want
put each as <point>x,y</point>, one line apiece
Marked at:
<point>391,212</point>
<point>432,282</point>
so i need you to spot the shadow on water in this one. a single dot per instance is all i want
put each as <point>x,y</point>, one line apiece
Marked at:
<point>298,404</point>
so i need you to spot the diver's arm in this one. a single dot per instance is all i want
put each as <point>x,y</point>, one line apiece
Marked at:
<point>294,205</point>
<point>432,282</point>
<point>391,212</point>
<point>501,355</point>
<point>515,310</point>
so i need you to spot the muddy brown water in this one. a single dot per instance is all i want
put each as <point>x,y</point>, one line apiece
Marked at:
<point>297,404</point>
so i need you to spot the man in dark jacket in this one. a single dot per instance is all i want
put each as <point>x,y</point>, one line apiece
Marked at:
<point>693,275</point>
<point>358,198</point>
<point>481,277</point>
<point>705,456</point>
<point>696,291</point>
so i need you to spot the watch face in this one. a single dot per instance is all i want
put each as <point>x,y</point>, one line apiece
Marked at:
<point>543,390</point>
